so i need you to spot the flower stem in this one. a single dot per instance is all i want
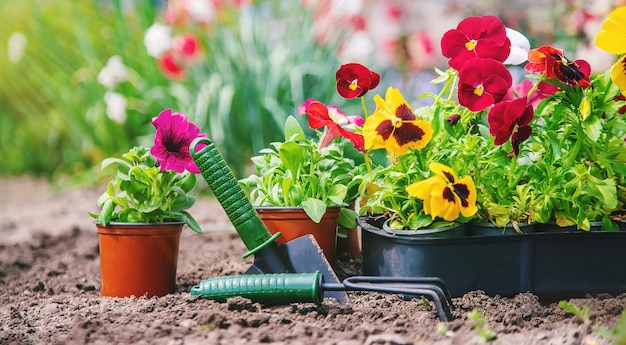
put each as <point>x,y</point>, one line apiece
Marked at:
<point>365,113</point>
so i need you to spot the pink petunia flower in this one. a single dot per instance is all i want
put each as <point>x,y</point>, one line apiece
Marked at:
<point>334,121</point>
<point>510,119</point>
<point>174,134</point>
<point>476,37</point>
<point>482,83</point>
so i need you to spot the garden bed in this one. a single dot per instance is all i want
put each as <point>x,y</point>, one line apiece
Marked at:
<point>50,292</point>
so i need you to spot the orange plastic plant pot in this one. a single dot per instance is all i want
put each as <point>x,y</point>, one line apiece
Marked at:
<point>138,259</point>
<point>293,222</point>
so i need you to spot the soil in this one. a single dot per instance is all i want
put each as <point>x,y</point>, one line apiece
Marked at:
<point>50,292</point>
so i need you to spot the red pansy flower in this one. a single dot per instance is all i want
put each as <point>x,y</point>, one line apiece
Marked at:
<point>553,63</point>
<point>483,82</point>
<point>355,80</point>
<point>174,134</point>
<point>510,119</point>
<point>334,122</point>
<point>476,37</point>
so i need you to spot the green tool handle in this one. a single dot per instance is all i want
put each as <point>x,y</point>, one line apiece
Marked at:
<point>277,288</point>
<point>229,193</point>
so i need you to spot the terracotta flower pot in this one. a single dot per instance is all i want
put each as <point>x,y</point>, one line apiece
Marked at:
<point>293,222</point>
<point>138,259</point>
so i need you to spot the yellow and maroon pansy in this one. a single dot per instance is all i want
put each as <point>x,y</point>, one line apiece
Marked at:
<point>394,126</point>
<point>445,195</point>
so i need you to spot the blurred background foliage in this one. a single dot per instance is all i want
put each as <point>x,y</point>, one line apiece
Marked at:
<point>79,84</point>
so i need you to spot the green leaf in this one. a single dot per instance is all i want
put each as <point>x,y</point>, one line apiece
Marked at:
<point>111,161</point>
<point>292,156</point>
<point>606,188</point>
<point>107,212</point>
<point>191,222</point>
<point>314,208</point>
<point>183,202</point>
<point>347,218</point>
<point>592,126</point>
<point>338,193</point>
<point>188,182</point>
<point>293,130</point>
<point>584,314</point>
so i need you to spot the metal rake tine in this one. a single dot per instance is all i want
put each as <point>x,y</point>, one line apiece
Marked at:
<point>434,293</point>
<point>431,283</point>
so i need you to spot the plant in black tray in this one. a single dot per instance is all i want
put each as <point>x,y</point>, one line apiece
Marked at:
<point>547,148</point>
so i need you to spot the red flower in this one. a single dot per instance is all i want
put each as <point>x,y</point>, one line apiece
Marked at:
<point>554,64</point>
<point>510,119</point>
<point>476,37</point>
<point>334,121</point>
<point>483,82</point>
<point>186,48</point>
<point>354,80</point>
<point>170,67</point>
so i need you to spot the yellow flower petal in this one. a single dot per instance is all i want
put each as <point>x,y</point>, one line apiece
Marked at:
<point>372,139</point>
<point>443,171</point>
<point>612,36</point>
<point>470,209</point>
<point>618,73</point>
<point>409,135</point>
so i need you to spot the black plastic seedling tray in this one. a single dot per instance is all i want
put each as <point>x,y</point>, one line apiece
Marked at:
<point>548,264</point>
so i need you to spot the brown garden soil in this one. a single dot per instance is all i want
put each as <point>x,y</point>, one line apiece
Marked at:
<point>50,292</point>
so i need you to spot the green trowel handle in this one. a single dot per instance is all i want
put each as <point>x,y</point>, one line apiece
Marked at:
<point>278,288</point>
<point>220,178</point>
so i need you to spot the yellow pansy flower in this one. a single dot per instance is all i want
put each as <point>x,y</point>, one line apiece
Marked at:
<point>394,126</point>
<point>612,38</point>
<point>445,195</point>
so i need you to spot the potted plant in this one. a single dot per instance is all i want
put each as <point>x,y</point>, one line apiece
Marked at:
<point>547,150</point>
<point>302,186</point>
<point>144,209</point>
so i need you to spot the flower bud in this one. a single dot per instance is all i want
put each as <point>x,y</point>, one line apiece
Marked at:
<point>453,119</point>
<point>584,108</point>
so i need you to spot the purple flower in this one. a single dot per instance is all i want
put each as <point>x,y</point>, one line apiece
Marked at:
<point>174,134</point>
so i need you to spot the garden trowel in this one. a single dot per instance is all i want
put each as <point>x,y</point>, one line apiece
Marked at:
<point>301,255</point>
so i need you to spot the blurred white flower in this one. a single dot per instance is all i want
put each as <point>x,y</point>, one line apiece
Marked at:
<point>201,11</point>
<point>113,73</point>
<point>158,39</point>
<point>16,46</point>
<point>356,47</point>
<point>519,47</point>
<point>116,106</point>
